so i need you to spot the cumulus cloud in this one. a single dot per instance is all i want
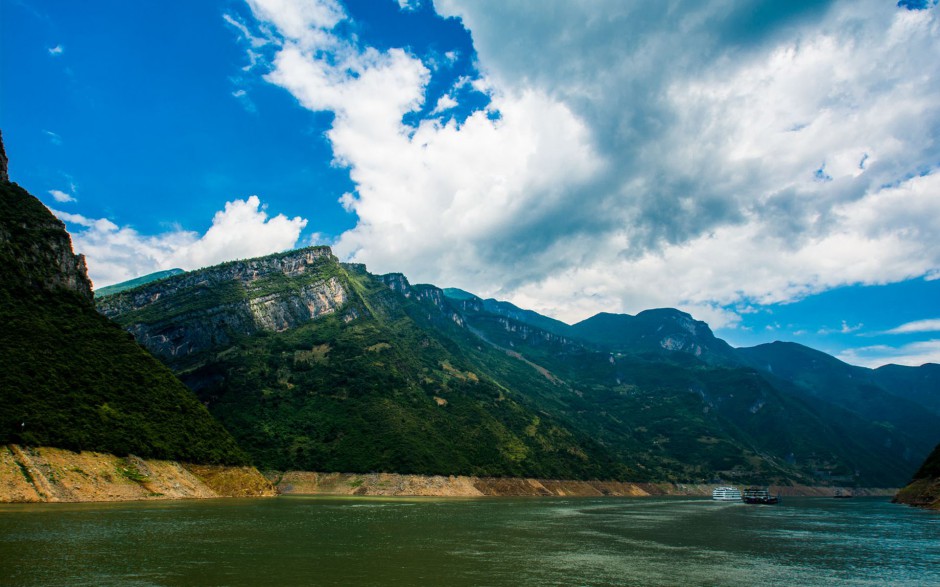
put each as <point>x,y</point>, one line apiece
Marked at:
<point>652,154</point>
<point>917,326</point>
<point>61,197</point>
<point>57,50</point>
<point>914,354</point>
<point>444,103</point>
<point>409,4</point>
<point>243,229</point>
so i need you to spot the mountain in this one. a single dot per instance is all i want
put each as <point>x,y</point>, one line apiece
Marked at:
<point>918,384</point>
<point>69,377</point>
<point>809,373</point>
<point>132,283</point>
<point>924,490</point>
<point>319,365</point>
<point>660,331</point>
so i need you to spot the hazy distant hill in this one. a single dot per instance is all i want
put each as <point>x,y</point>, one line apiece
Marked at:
<point>136,282</point>
<point>660,331</point>
<point>69,377</point>
<point>878,396</point>
<point>318,365</point>
<point>917,384</point>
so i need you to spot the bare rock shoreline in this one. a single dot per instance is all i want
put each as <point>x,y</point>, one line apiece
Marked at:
<point>391,484</point>
<point>44,474</point>
<point>31,474</point>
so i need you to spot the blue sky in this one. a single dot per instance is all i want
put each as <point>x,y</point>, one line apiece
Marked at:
<point>770,167</point>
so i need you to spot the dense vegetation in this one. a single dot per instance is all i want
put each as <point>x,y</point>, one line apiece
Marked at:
<point>382,393</point>
<point>68,376</point>
<point>924,490</point>
<point>403,378</point>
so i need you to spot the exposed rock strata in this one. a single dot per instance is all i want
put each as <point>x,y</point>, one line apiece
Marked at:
<point>57,475</point>
<point>189,313</point>
<point>38,248</point>
<point>391,484</point>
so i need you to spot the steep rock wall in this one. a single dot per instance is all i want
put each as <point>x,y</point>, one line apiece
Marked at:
<point>190,313</point>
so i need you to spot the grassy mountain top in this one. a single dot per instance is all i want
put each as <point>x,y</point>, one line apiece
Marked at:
<point>136,282</point>
<point>69,377</point>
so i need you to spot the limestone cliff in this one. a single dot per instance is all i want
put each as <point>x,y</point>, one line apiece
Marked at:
<point>4,162</point>
<point>35,248</point>
<point>192,312</point>
<point>70,378</point>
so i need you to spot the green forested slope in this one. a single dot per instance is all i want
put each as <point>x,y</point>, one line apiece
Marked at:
<point>382,392</point>
<point>68,376</point>
<point>924,490</point>
<point>398,377</point>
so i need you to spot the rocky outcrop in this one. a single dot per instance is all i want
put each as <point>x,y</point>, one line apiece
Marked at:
<point>4,162</point>
<point>35,248</point>
<point>190,313</point>
<point>924,490</point>
<point>43,474</point>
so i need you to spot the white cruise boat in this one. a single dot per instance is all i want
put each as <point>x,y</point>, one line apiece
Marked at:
<point>726,494</point>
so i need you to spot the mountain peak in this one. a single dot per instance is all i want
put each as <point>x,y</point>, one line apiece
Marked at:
<point>4,162</point>
<point>35,248</point>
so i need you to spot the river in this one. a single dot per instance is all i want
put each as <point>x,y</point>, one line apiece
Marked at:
<point>298,540</point>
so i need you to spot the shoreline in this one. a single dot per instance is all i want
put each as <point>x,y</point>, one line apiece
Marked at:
<point>399,485</point>
<point>45,474</point>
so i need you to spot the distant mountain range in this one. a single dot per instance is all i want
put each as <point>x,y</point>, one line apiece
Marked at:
<point>318,365</point>
<point>130,284</point>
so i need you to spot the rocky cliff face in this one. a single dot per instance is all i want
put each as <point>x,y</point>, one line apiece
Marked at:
<point>35,249</point>
<point>4,174</point>
<point>71,379</point>
<point>195,311</point>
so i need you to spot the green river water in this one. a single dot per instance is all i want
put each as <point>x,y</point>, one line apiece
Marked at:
<point>296,540</point>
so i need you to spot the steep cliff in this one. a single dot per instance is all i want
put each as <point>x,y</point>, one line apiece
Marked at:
<point>192,312</point>
<point>4,162</point>
<point>35,249</point>
<point>69,377</point>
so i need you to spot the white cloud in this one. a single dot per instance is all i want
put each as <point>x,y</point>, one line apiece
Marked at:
<point>917,326</point>
<point>659,155</point>
<point>913,355</point>
<point>444,103</point>
<point>57,50</point>
<point>61,197</point>
<point>242,230</point>
<point>409,5</point>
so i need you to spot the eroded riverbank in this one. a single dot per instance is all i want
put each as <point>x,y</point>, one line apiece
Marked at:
<point>391,484</point>
<point>31,474</point>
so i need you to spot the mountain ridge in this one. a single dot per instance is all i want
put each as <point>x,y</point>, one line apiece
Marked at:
<point>391,347</point>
